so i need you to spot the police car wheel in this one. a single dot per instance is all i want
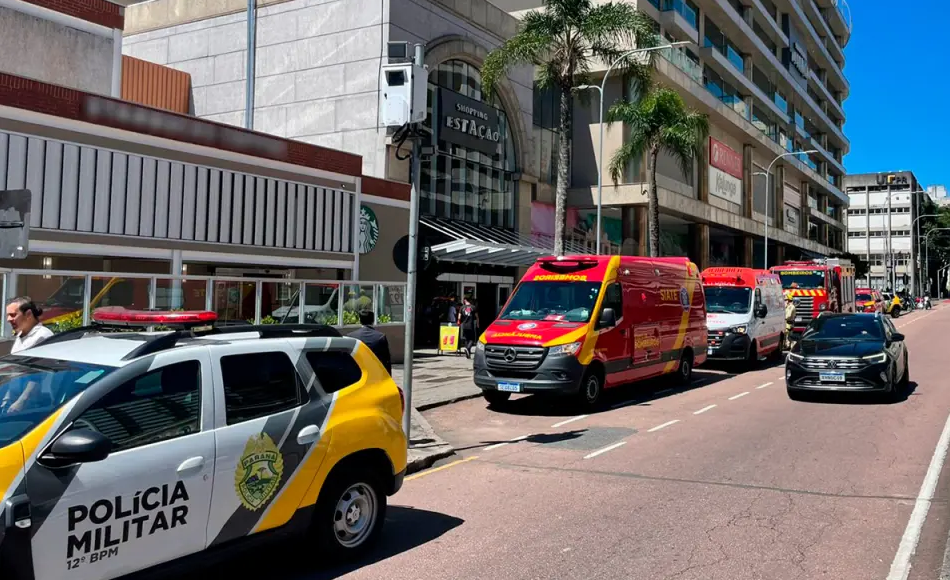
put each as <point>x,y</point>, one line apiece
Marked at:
<point>350,513</point>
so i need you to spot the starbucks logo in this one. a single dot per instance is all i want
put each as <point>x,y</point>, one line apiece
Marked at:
<point>369,229</point>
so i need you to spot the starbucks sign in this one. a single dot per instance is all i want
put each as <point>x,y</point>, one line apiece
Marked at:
<point>369,229</point>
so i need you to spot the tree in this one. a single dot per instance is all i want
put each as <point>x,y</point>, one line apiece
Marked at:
<point>660,120</point>
<point>564,40</point>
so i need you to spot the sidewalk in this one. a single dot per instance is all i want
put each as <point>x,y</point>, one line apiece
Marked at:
<point>438,379</point>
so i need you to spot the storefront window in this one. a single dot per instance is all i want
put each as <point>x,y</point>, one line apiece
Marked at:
<point>471,175</point>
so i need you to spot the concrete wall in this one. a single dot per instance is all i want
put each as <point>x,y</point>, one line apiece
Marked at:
<point>52,52</point>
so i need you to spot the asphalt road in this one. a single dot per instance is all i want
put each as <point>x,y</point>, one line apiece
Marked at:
<point>728,480</point>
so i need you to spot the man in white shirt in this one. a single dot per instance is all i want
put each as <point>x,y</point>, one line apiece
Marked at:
<point>24,317</point>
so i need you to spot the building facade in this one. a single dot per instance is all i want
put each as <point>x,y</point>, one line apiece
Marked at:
<point>882,226</point>
<point>769,75</point>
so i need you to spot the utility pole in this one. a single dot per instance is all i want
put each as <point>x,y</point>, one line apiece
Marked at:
<point>415,135</point>
<point>889,262</point>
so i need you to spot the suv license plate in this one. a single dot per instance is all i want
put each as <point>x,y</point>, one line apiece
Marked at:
<point>509,387</point>
<point>831,377</point>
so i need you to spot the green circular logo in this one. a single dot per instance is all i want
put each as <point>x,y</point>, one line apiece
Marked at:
<point>369,229</point>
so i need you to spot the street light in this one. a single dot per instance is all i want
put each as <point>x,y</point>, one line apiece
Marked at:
<point>927,244</point>
<point>768,199</point>
<point>917,267</point>
<point>601,88</point>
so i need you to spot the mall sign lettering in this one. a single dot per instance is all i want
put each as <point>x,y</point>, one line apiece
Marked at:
<point>799,59</point>
<point>725,172</point>
<point>468,123</point>
<point>792,216</point>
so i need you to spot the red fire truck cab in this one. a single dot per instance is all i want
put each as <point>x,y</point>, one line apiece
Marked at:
<point>824,285</point>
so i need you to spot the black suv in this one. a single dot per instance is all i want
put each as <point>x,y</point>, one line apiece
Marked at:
<point>848,352</point>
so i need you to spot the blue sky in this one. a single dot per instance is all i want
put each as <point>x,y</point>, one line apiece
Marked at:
<point>898,65</point>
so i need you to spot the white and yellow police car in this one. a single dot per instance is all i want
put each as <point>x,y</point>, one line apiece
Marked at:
<point>123,451</point>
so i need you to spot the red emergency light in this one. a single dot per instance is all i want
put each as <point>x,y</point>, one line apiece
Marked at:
<point>119,316</point>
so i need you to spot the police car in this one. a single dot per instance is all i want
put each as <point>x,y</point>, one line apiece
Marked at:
<point>137,449</point>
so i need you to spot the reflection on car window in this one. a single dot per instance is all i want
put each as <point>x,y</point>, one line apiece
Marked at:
<point>259,384</point>
<point>161,405</point>
<point>844,328</point>
<point>727,299</point>
<point>559,301</point>
<point>33,388</point>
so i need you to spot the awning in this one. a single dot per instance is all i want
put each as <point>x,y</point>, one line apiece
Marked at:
<point>481,244</point>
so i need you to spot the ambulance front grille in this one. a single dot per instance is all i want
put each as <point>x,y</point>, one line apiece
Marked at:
<point>502,356</point>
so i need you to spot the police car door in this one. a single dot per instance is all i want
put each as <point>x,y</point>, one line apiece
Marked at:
<point>147,502</point>
<point>269,419</point>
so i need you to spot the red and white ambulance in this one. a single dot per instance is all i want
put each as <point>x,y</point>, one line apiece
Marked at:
<point>578,324</point>
<point>745,312</point>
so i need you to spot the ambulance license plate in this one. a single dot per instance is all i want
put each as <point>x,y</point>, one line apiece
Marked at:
<point>509,387</point>
<point>831,377</point>
<point>709,351</point>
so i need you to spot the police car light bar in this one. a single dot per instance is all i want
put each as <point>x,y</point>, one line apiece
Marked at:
<point>119,316</point>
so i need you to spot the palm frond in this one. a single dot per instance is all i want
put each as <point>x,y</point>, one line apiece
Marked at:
<point>532,44</point>
<point>629,151</point>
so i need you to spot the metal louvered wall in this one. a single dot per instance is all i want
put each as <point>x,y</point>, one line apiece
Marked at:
<point>91,189</point>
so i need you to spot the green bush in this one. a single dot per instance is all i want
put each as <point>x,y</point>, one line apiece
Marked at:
<point>67,322</point>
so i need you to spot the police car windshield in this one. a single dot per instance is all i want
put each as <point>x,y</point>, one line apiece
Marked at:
<point>727,299</point>
<point>559,301</point>
<point>803,278</point>
<point>32,388</point>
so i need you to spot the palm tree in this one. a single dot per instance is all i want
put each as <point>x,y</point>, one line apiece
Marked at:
<point>564,40</point>
<point>658,121</point>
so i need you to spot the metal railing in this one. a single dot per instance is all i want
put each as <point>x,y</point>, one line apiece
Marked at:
<point>68,297</point>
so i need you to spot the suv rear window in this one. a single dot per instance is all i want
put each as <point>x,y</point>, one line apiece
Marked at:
<point>32,388</point>
<point>334,369</point>
<point>259,384</point>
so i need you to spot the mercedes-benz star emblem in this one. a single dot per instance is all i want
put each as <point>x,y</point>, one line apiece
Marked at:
<point>510,355</point>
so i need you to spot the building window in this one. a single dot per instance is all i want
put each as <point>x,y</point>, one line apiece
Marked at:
<point>716,39</point>
<point>467,184</point>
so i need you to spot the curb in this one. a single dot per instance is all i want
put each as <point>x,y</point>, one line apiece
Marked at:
<point>438,404</point>
<point>426,462</point>
<point>440,450</point>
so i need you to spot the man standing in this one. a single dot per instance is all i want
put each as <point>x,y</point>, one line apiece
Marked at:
<point>374,339</point>
<point>24,317</point>
<point>791,311</point>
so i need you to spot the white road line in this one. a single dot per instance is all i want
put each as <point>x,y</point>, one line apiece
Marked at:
<point>734,397</point>
<point>765,385</point>
<point>704,409</point>
<point>571,420</point>
<point>605,449</point>
<point>502,444</point>
<point>664,425</point>
<point>900,567</point>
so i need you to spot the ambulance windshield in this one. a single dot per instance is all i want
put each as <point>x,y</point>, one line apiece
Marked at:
<point>804,279</point>
<point>32,388</point>
<point>727,299</point>
<point>555,301</point>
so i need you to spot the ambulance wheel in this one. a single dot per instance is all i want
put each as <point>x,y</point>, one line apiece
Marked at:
<point>592,388</point>
<point>753,359</point>
<point>496,398</point>
<point>684,373</point>
<point>350,512</point>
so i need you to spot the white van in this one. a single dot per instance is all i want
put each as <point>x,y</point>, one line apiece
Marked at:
<point>745,314</point>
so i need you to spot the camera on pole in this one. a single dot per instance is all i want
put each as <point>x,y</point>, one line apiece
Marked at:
<point>405,88</point>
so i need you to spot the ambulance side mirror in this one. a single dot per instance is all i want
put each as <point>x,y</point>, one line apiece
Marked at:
<point>77,446</point>
<point>608,318</point>
<point>761,311</point>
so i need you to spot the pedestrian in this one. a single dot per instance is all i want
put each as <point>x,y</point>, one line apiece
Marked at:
<point>791,311</point>
<point>24,318</point>
<point>468,321</point>
<point>453,310</point>
<point>374,339</point>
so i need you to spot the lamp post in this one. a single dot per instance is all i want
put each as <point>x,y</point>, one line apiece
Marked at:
<point>917,267</point>
<point>768,199</point>
<point>601,88</point>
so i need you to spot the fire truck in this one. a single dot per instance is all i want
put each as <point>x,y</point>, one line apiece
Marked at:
<point>823,285</point>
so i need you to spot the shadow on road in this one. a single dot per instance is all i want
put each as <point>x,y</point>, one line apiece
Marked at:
<point>405,529</point>
<point>840,398</point>
<point>542,438</point>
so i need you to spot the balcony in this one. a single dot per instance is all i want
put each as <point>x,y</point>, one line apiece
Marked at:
<point>825,92</point>
<point>830,43</point>
<point>827,156</point>
<point>678,58</point>
<point>813,41</point>
<point>678,17</point>
<point>770,24</point>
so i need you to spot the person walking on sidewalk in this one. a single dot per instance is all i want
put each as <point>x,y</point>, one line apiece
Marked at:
<point>468,321</point>
<point>374,339</point>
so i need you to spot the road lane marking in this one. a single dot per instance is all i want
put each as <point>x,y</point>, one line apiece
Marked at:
<point>900,567</point>
<point>571,420</point>
<point>769,384</point>
<point>663,426</point>
<point>704,409</point>
<point>440,468</point>
<point>734,397</point>
<point>503,443</point>
<point>605,449</point>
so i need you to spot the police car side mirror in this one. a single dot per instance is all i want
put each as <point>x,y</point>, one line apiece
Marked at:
<point>608,318</point>
<point>77,446</point>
